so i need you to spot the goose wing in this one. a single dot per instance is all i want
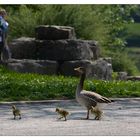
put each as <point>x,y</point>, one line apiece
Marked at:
<point>95,96</point>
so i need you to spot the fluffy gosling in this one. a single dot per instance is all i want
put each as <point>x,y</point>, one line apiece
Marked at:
<point>97,112</point>
<point>62,113</point>
<point>16,112</point>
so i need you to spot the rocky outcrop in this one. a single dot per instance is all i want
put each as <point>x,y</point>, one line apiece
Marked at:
<point>51,32</point>
<point>99,69</point>
<point>23,48</point>
<point>102,69</point>
<point>133,78</point>
<point>93,45</point>
<point>59,50</point>
<point>64,50</point>
<point>33,66</point>
<point>55,50</point>
<point>121,75</point>
<point>67,68</point>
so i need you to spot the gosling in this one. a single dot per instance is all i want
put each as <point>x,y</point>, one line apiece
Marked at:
<point>62,113</point>
<point>16,112</point>
<point>97,112</point>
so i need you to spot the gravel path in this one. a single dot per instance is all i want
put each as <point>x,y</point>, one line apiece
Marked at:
<point>121,118</point>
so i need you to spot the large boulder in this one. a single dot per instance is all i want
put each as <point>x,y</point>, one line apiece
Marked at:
<point>55,50</point>
<point>133,78</point>
<point>64,50</point>
<point>93,45</point>
<point>67,68</point>
<point>59,50</point>
<point>47,32</point>
<point>33,66</point>
<point>99,69</point>
<point>122,75</point>
<point>23,48</point>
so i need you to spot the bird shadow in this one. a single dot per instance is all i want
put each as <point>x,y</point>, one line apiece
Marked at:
<point>17,119</point>
<point>60,120</point>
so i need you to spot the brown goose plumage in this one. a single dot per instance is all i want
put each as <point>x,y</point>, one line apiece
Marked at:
<point>88,99</point>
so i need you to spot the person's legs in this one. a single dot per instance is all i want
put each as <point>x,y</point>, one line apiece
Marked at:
<point>1,46</point>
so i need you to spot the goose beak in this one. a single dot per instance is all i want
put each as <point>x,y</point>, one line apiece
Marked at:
<point>75,69</point>
<point>78,69</point>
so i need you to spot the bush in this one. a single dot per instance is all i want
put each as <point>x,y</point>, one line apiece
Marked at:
<point>104,23</point>
<point>122,62</point>
<point>16,86</point>
<point>22,22</point>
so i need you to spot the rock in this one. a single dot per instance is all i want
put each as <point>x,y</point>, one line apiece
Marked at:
<point>55,50</point>
<point>93,45</point>
<point>102,69</point>
<point>108,59</point>
<point>64,50</point>
<point>121,76</point>
<point>99,69</point>
<point>33,66</point>
<point>23,48</point>
<point>133,78</point>
<point>47,32</point>
<point>67,68</point>
<point>58,50</point>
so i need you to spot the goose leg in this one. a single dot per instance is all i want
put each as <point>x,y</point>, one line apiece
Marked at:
<point>60,118</point>
<point>65,118</point>
<point>87,114</point>
<point>19,116</point>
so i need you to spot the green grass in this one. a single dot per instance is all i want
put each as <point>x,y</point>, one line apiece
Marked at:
<point>15,87</point>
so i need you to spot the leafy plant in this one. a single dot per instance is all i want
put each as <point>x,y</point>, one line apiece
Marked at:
<point>17,86</point>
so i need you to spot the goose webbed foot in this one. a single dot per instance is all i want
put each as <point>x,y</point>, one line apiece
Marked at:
<point>84,118</point>
<point>97,118</point>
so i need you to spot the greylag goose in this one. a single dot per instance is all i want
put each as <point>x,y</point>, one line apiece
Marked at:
<point>86,98</point>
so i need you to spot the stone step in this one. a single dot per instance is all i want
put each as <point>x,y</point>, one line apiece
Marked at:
<point>57,50</point>
<point>47,32</point>
<point>99,69</point>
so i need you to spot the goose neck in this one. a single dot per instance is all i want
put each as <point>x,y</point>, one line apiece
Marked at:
<point>81,83</point>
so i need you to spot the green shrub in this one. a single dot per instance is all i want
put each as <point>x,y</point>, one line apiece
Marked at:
<point>22,22</point>
<point>16,86</point>
<point>104,23</point>
<point>122,62</point>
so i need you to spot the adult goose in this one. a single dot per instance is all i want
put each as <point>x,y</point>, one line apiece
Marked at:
<point>86,98</point>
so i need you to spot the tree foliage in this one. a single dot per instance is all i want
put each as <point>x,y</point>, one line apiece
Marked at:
<point>104,23</point>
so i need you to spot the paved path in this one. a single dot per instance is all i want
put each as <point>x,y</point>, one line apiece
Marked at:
<point>39,118</point>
